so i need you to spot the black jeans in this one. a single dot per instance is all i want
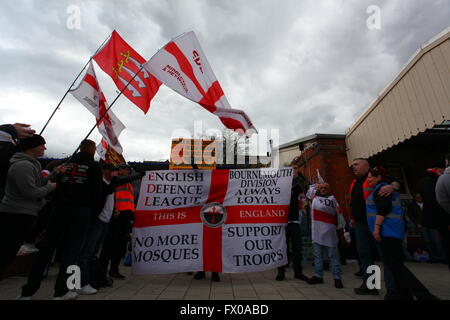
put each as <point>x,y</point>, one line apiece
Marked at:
<point>445,236</point>
<point>68,225</point>
<point>115,242</point>
<point>40,223</point>
<point>293,233</point>
<point>407,284</point>
<point>13,228</point>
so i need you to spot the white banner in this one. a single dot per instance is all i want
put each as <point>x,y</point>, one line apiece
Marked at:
<point>225,221</point>
<point>182,66</point>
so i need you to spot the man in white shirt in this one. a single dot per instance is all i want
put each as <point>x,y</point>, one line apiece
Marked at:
<point>325,212</point>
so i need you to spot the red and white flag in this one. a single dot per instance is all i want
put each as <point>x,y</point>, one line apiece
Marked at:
<point>102,149</point>
<point>91,96</point>
<point>121,62</point>
<point>182,66</point>
<point>213,220</point>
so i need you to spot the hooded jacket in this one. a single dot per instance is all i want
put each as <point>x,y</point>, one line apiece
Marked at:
<point>26,188</point>
<point>443,190</point>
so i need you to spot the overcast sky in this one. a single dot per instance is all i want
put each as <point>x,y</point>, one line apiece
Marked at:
<point>297,66</point>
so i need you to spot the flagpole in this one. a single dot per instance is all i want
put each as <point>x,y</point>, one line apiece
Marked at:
<point>104,113</point>
<point>64,96</point>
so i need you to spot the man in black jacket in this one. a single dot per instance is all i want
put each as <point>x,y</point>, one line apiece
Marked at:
<point>76,200</point>
<point>434,218</point>
<point>293,231</point>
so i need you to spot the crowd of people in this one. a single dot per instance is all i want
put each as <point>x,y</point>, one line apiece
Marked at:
<point>91,210</point>
<point>82,212</point>
<point>378,223</point>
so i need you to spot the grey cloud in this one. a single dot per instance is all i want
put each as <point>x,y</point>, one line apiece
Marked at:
<point>298,66</point>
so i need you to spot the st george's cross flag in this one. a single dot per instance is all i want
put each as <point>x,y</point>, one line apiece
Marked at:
<point>91,96</point>
<point>182,66</point>
<point>121,62</point>
<point>102,149</point>
<point>226,221</point>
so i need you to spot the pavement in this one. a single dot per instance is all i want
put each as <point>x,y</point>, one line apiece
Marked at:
<point>240,286</point>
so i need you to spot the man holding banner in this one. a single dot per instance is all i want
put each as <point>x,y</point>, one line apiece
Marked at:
<point>293,232</point>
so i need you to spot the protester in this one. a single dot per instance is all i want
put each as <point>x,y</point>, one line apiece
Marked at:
<point>293,231</point>
<point>40,224</point>
<point>434,219</point>
<point>10,135</point>
<point>414,210</point>
<point>325,212</point>
<point>76,199</point>
<point>359,191</point>
<point>385,220</point>
<point>24,197</point>
<point>443,198</point>
<point>99,227</point>
<point>115,243</point>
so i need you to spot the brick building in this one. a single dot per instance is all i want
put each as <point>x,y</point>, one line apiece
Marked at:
<point>325,153</point>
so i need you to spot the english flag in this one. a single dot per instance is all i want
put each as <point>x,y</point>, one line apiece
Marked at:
<point>182,66</point>
<point>91,96</point>
<point>226,221</point>
<point>102,148</point>
<point>121,62</point>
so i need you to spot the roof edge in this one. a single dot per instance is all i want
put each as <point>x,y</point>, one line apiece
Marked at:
<point>309,138</point>
<point>430,45</point>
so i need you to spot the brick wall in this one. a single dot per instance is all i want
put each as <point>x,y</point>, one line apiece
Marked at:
<point>329,156</point>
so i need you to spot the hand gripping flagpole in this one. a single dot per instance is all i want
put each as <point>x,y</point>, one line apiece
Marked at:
<point>64,96</point>
<point>104,113</point>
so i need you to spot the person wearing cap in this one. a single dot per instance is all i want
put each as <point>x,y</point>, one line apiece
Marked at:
<point>76,199</point>
<point>24,197</point>
<point>385,218</point>
<point>90,283</point>
<point>116,239</point>
<point>434,216</point>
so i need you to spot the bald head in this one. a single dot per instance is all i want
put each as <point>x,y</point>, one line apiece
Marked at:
<point>360,167</point>
<point>324,189</point>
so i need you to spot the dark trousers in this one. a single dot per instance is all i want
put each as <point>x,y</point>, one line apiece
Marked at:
<point>13,228</point>
<point>68,225</point>
<point>40,223</point>
<point>91,246</point>
<point>407,284</point>
<point>293,233</point>
<point>115,242</point>
<point>364,244</point>
<point>445,236</point>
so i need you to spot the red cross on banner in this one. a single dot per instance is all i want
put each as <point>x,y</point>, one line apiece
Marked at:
<point>211,220</point>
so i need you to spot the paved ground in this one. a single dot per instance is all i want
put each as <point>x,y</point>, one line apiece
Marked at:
<point>243,286</point>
